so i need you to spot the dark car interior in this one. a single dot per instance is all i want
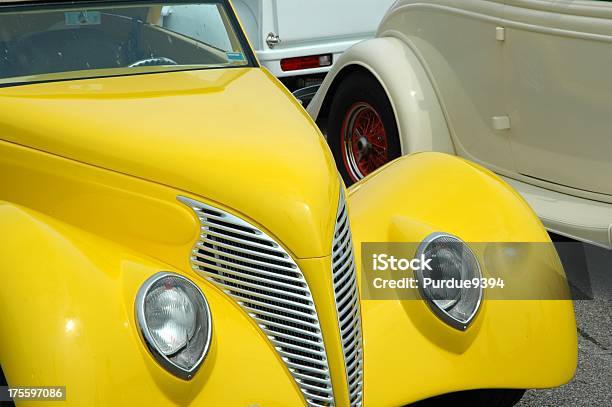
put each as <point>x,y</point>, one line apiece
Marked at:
<point>43,43</point>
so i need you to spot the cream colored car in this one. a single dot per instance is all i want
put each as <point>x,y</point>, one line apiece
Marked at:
<point>520,86</point>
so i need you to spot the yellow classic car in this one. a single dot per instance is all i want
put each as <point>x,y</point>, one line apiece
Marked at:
<point>174,231</point>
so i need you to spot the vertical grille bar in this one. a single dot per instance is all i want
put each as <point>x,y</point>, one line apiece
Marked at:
<point>346,295</point>
<point>257,273</point>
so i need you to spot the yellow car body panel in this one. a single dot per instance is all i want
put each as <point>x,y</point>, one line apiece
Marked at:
<point>159,118</point>
<point>68,320</point>
<point>111,214</point>
<point>409,351</point>
<point>144,230</point>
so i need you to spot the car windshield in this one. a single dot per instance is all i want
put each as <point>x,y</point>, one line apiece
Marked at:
<point>63,41</point>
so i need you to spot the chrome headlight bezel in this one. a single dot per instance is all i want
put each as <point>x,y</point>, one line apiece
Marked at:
<point>437,309</point>
<point>205,319</point>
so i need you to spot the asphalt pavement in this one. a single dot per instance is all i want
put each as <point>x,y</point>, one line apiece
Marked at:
<point>592,384</point>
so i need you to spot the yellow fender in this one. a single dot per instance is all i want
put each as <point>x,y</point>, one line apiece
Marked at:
<point>409,353</point>
<point>68,320</point>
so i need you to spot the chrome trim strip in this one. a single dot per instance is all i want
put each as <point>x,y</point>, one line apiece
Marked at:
<point>260,276</point>
<point>346,297</point>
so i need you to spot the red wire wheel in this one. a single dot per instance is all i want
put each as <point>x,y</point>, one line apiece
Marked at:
<point>365,146</point>
<point>362,132</point>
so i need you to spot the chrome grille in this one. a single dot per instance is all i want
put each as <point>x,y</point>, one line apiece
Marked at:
<point>265,281</point>
<point>346,295</point>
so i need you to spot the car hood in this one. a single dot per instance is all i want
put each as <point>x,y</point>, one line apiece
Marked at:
<point>231,136</point>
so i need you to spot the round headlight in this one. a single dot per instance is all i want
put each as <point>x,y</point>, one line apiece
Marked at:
<point>448,282</point>
<point>175,322</point>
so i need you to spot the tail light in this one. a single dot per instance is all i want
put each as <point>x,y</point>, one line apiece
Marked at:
<point>309,62</point>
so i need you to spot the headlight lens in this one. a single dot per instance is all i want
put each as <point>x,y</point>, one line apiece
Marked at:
<point>175,322</point>
<point>451,293</point>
